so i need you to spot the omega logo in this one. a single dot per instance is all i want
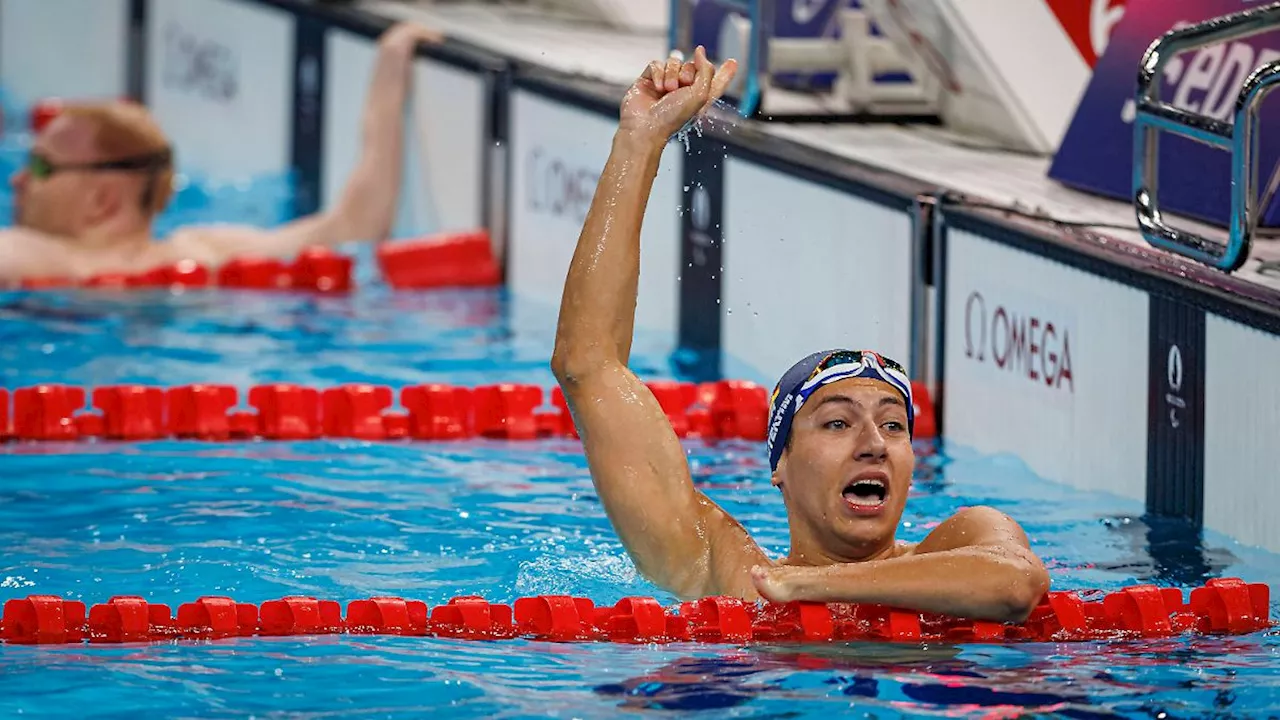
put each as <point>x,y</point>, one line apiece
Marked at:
<point>1021,343</point>
<point>558,188</point>
<point>199,65</point>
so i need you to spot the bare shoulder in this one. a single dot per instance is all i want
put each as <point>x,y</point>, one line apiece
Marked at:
<point>210,244</point>
<point>27,253</point>
<point>985,516</point>
<point>972,526</point>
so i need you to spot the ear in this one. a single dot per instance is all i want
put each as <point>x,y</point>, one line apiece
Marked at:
<point>779,475</point>
<point>104,201</point>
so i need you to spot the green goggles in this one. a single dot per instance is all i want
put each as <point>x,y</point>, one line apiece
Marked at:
<point>41,167</point>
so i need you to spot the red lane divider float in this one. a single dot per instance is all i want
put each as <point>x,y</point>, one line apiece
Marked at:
<point>728,409</point>
<point>451,260</point>
<point>1223,606</point>
<point>446,260</point>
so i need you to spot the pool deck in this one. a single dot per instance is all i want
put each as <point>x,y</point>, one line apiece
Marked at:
<point>923,154</point>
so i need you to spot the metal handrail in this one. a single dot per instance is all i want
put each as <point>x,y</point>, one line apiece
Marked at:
<point>1154,116</point>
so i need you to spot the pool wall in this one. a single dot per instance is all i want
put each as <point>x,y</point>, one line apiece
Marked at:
<point>1103,365</point>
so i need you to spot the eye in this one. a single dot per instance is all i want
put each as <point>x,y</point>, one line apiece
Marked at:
<point>835,424</point>
<point>895,426</point>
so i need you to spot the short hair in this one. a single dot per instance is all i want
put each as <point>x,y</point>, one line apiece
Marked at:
<point>126,130</point>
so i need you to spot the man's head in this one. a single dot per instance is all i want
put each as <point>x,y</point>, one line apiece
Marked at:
<point>840,426</point>
<point>100,168</point>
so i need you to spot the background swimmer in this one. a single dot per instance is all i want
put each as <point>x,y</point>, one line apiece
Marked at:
<point>99,174</point>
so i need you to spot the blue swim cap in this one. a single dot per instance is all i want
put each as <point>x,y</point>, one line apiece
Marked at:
<point>822,368</point>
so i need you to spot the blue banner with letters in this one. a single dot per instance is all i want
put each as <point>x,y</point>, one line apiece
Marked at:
<point>1195,180</point>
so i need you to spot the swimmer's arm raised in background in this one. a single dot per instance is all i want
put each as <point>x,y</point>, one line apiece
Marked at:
<point>675,535</point>
<point>367,207</point>
<point>978,564</point>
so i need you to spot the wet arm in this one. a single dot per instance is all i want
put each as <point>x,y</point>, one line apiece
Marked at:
<point>978,565</point>
<point>367,206</point>
<point>636,460</point>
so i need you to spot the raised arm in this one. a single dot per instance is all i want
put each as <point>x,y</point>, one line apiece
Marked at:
<point>673,533</point>
<point>367,207</point>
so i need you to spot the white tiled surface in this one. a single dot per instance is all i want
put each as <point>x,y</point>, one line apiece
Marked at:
<point>927,154</point>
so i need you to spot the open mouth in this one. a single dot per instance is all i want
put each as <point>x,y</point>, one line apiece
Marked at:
<point>866,493</point>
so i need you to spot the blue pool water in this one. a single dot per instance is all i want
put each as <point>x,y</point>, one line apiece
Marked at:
<point>346,520</point>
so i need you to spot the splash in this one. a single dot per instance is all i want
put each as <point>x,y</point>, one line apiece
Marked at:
<point>721,116</point>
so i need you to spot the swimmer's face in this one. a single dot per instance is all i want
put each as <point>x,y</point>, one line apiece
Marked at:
<point>64,202</point>
<point>847,471</point>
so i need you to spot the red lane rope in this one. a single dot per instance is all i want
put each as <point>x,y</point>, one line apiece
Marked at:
<point>728,409</point>
<point>1222,606</point>
<point>449,260</point>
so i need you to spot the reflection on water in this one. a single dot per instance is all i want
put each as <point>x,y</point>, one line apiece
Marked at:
<point>1063,680</point>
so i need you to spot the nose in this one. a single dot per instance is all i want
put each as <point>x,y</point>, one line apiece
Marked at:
<point>871,445</point>
<point>18,180</point>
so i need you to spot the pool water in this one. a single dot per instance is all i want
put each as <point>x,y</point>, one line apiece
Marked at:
<point>345,520</point>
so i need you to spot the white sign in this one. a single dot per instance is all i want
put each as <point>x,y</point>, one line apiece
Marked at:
<point>557,154</point>
<point>444,136</point>
<point>809,268</point>
<point>1241,413</point>
<point>1040,364</point>
<point>220,82</point>
<point>73,49</point>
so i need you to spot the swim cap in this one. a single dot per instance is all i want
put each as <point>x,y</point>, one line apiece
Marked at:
<point>822,368</point>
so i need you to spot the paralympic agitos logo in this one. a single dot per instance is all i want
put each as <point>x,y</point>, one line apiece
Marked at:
<point>1020,343</point>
